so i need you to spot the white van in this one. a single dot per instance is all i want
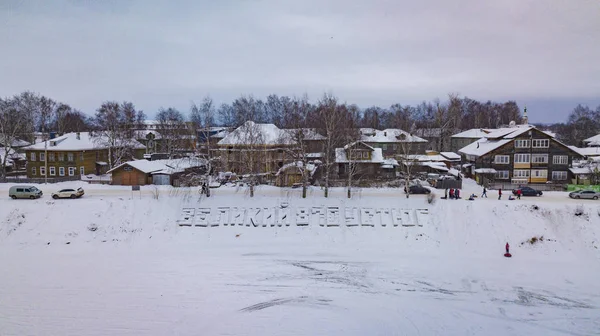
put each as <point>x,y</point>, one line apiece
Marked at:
<point>24,192</point>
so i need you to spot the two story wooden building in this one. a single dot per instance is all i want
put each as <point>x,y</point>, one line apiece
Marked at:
<point>519,155</point>
<point>393,141</point>
<point>264,148</point>
<point>72,154</point>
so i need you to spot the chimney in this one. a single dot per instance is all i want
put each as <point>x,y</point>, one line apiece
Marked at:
<point>525,119</point>
<point>78,136</point>
<point>384,133</point>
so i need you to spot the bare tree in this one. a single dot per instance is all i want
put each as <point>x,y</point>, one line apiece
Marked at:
<point>330,119</point>
<point>173,130</point>
<point>14,124</point>
<point>298,135</point>
<point>252,154</point>
<point>202,117</point>
<point>115,125</point>
<point>407,161</point>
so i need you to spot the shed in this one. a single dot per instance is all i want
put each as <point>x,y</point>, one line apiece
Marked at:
<point>137,172</point>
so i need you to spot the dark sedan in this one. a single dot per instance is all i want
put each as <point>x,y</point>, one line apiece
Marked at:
<point>417,189</point>
<point>527,191</point>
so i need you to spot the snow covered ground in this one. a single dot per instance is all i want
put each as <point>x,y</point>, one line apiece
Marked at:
<point>117,263</point>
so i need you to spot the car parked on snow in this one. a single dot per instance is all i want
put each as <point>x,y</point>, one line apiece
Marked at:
<point>418,189</point>
<point>68,193</point>
<point>30,192</point>
<point>527,191</point>
<point>585,194</point>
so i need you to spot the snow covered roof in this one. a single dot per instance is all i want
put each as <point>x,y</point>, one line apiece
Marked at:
<point>15,142</point>
<point>474,133</point>
<point>10,155</point>
<point>311,168</point>
<point>358,142</point>
<point>485,171</point>
<point>258,134</point>
<point>142,134</point>
<point>435,165</point>
<point>585,170</point>
<point>162,166</point>
<point>221,134</point>
<point>85,141</point>
<point>586,151</point>
<point>450,155</point>
<point>483,146</point>
<point>371,135</point>
<point>494,133</point>
<point>376,156</point>
<point>426,158</point>
<point>594,139</point>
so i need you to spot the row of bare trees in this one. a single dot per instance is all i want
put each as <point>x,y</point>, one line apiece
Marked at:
<point>583,122</point>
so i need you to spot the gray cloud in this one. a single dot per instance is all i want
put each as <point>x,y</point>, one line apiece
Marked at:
<point>166,53</point>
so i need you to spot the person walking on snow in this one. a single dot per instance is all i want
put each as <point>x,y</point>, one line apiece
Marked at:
<point>500,193</point>
<point>451,193</point>
<point>519,193</point>
<point>484,193</point>
<point>507,247</point>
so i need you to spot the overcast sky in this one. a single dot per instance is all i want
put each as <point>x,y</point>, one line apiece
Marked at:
<point>542,53</point>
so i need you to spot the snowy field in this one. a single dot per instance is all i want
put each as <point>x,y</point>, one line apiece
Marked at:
<point>119,263</point>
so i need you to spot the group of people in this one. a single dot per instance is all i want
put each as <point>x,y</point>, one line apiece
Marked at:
<point>510,198</point>
<point>452,193</point>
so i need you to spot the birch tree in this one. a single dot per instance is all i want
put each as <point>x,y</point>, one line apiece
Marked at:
<point>115,125</point>
<point>172,128</point>
<point>15,123</point>
<point>298,135</point>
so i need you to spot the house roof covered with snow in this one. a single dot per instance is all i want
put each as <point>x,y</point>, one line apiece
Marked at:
<point>80,142</point>
<point>162,166</point>
<point>450,155</point>
<point>376,156</point>
<point>14,143</point>
<point>494,133</point>
<point>256,134</point>
<point>371,135</point>
<point>586,151</point>
<point>594,139</point>
<point>474,133</point>
<point>483,146</point>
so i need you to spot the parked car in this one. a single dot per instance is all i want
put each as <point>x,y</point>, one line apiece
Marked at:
<point>68,193</point>
<point>417,189</point>
<point>24,192</point>
<point>585,194</point>
<point>528,191</point>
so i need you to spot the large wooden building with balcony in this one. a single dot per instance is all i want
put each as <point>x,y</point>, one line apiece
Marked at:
<point>72,154</point>
<point>519,155</point>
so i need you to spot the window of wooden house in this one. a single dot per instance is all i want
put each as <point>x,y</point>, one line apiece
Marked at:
<point>51,157</point>
<point>559,175</point>
<point>81,156</point>
<point>502,159</point>
<point>81,170</point>
<point>61,171</point>
<point>43,171</point>
<point>539,158</point>
<point>61,156</point>
<point>52,171</point>
<point>522,144</point>
<point>42,156</point>
<point>33,171</point>
<point>520,173</point>
<point>560,159</point>
<point>541,143</point>
<point>539,173</point>
<point>71,171</point>
<point>70,157</point>
<point>522,158</point>
<point>32,157</point>
<point>502,175</point>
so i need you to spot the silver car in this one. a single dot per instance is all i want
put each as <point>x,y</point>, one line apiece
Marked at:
<point>585,194</point>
